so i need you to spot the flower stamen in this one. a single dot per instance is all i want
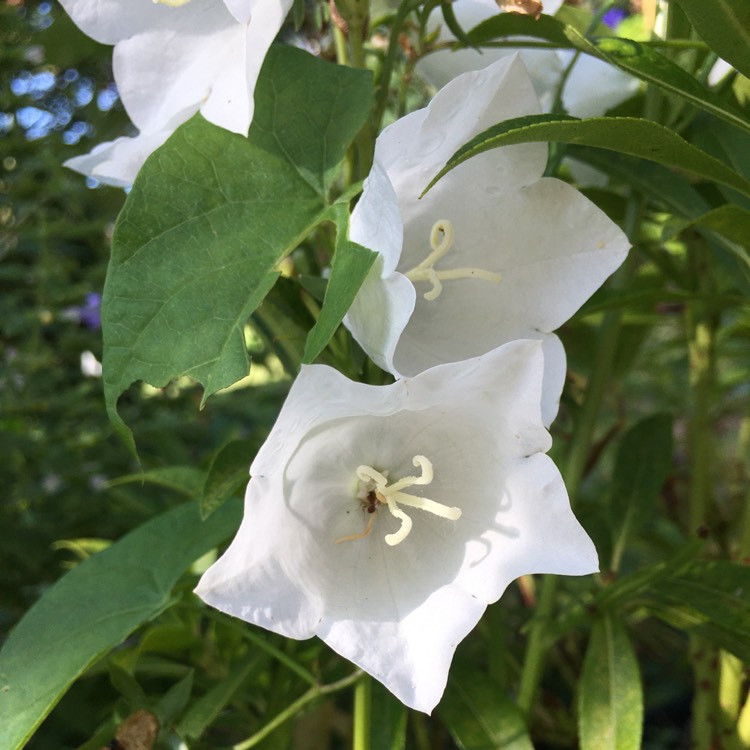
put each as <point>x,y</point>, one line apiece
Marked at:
<point>378,491</point>
<point>442,237</point>
<point>170,3</point>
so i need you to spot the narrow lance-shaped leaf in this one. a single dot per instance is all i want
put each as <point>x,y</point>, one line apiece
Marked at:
<point>351,264</point>
<point>672,191</point>
<point>610,704</point>
<point>725,26</point>
<point>639,60</point>
<point>506,25</point>
<point>480,715</point>
<point>709,599</point>
<point>209,218</point>
<point>653,67</point>
<point>94,608</point>
<point>644,461</point>
<point>627,135</point>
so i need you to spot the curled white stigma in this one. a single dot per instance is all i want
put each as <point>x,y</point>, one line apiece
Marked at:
<point>171,3</point>
<point>441,241</point>
<point>393,497</point>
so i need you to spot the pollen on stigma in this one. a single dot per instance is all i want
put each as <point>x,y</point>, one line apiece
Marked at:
<point>374,491</point>
<point>442,237</point>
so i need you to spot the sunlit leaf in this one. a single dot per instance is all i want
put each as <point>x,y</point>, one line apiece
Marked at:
<point>610,702</point>
<point>627,135</point>
<point>480,715</point>
<point>95,607</point>
<point>725,26</point>
<point>209,218</point>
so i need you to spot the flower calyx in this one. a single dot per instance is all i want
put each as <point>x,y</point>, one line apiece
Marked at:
<point>442,237</point>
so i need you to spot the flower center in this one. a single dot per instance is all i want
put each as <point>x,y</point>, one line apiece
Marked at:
<point>171,3</point>
<point>375,491</point>
<point>441,241</point>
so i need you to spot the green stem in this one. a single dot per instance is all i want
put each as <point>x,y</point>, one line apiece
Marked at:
<point>743,552</point>
<point>292,709</point>
<point>386,72</point>
<point>701,324</point>
<point>575,466</point>
<point>362,713</point>
<point>263,644</point>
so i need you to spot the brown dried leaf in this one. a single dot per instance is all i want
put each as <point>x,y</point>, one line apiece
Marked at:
<point>523,7</point>
<point>138,732</point>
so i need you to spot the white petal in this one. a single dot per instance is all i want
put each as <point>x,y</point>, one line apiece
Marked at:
<point>555,363</point>
<point>551,245</point>
<point>544,66</point>
<point>385,301</point>
<point>413,149</point>
<point>109,21</point>
<point>534,531</point>
<point>411,657</point>
<point>180,77</point>
<point>118,162</point>
<point>399,611</point>
<point>594,86</point>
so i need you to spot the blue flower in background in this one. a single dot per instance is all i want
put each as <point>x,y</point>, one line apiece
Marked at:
<point>89,313</point>
<point>614,17</point>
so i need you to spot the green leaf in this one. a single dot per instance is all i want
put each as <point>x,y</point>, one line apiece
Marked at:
<point>730,221</point>
<point>480,715</point>
<point>94,607</point>
<point>709,599</point>
<point>388,730</point>
<point>627,135</point>
<point>127,686</point>
<point>673,191</point>
<point>506,25</point>
<point>229,472</point>
<point>201,714</point>
<point>174,700</point>
<point>610,704</point>
<point>446,8</point>
<point>653,67</point>
<point>725,26</point>
<point>351,264</point>
<point>210,216</point>
<point>187,480</point>
<point>643,463</point>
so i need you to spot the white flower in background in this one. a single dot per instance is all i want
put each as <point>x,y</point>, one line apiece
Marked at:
<point>494,252</point>
<point>592,87</point>
<point>384,519</point>
<point>91,367</point>
<point>172,59</point>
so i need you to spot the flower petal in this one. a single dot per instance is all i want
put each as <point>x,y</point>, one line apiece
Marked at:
<point>551,245</point>
<point>399,611</point>
<point>118,162</point>
<point>413,149</point>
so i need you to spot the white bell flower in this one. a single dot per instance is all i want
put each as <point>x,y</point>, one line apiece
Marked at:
<point>592,87</point>
<point>173,58</point>
<point>494,252</point>
<point>384,519</point>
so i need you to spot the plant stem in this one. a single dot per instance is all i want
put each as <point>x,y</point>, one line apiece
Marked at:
<point>258,640</point>
<point>701,325</point>
<point>293,708</point>
<point>362,713</point>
